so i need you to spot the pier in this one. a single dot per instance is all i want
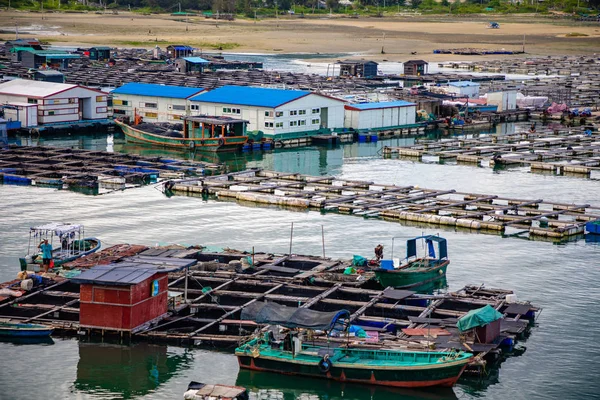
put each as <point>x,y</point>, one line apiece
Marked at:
<point>486,213</point>
<point>564,152</point>
<point>206,300</point>
<point>55,166</point>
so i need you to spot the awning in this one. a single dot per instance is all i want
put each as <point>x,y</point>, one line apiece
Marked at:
<point>291,317</point>
<point>58,228</point>
<point>478,317</point>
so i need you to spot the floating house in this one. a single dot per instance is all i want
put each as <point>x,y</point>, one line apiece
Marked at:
<point>358,68</point>
<point>49,75</point>
<point>127,295</point>
<point>191,65</point>
<point>273,113</point>
<point>31,58</point>
<point>415,67</point>
<point>53,102</point>
<point>154,103</point>
<point>33,44</point>
<point>98,53</point>
<point>380,116</point>
<point>463,89</point>
<point>179,51</point>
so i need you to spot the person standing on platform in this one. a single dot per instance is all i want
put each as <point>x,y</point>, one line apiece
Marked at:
<point>46,249</point>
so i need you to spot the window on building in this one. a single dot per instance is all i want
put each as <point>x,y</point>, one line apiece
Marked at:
<point>293,123</point>
<point>151,115</point>
<point>194,107</point>
<point>178,107</point>
<point>293,112</point>
<point>279,113</point>
<point>228,110</point>
<point>50,112</point>
<point>316,121</point>
<point>174,116</point>
<point>117,111</point>
<point>279,125</point>
<point>316,110</point>
<point>268,113</point>
<point>302,122</point>
<point>149,105</point>
<point>268,124</point>
<point>301,112</point>
<point>100,98</point>
<point>32,101</point>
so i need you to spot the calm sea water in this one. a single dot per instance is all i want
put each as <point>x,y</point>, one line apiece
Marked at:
<point>560,361</point>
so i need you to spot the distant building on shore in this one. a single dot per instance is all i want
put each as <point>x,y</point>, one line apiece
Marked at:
<point>415,67</point>
<point>358,68</point>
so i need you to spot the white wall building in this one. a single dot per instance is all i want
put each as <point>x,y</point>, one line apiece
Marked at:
<point>278,113</point>
<point>152,102</point>
<point>506,100</point>
<point>56,102</point>
<point>389,114</point>
<point>463,88</point>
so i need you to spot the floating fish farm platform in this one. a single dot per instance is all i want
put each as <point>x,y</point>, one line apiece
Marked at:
<point>562,152</point>
<point>487,213</point>
<point>206,300</point>
<point>54,166</point>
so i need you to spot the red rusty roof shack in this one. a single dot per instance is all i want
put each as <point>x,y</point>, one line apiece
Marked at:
<point>126,295</point>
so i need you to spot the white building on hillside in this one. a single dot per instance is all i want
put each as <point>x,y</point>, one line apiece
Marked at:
<point>277,113</point>
<point>54,102</point>
<point>152,102</point>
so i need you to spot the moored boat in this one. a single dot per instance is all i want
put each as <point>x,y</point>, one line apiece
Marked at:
<point>376,366</point>
<point>67,241</point>
<point>415,270</point>
<point>196,133</point>
<point>18,330</point>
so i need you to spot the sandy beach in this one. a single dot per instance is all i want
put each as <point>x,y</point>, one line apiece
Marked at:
<point>401,38</point>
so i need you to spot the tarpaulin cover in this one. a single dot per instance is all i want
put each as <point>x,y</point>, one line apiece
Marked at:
<point>291,317</point>
<point>478,317</point>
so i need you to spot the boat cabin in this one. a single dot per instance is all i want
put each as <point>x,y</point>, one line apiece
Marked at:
<point>209,127</point>
<point>127,295</point>
<point>482,323</point>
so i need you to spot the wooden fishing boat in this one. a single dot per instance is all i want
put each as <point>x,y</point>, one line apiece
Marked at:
<point>378,366</point>
<point>415,270</point>
<point>16,330</point>
<point>67,240</point>
<point>197,133</point>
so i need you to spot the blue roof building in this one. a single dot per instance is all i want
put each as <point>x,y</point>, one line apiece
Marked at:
<point>251,96</point>
<point>153,102</point>
<point>191,65</point>
<point>274,113</point>
<point>155,90</point>
<point>387,115</point>
<point>464,88</point>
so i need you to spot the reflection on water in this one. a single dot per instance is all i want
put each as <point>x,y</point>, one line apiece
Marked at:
<point>268,385</point>
<point>126,370</point>
<point>20,341</point>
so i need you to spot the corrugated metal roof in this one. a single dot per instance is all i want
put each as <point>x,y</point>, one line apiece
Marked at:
<point>383,104</point>
<point>196,60</point>
<point>250,96</point>
<point>463,84</point>
<point>183,48</point>
<point>126,273</point>
<point>151,89</point>
<point>26,87</point>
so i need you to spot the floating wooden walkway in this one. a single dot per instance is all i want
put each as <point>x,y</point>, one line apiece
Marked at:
<point>54,166</point>
<point>482,212</point>
<point>560,152</point>
<point>220,284</point>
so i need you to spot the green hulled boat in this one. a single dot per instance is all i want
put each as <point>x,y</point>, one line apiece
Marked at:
<point>415,270</point>
<point>201,133</point>
<point>386,367</point>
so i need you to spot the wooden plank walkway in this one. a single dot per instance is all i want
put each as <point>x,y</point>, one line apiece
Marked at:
<point>561,152</point>
<point>481,212</point>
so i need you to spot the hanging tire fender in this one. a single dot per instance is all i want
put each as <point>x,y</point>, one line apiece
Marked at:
<point>325,364</point>
<point>221,142</point>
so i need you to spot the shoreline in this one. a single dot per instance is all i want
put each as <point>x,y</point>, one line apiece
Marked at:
<point>399,38</point>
